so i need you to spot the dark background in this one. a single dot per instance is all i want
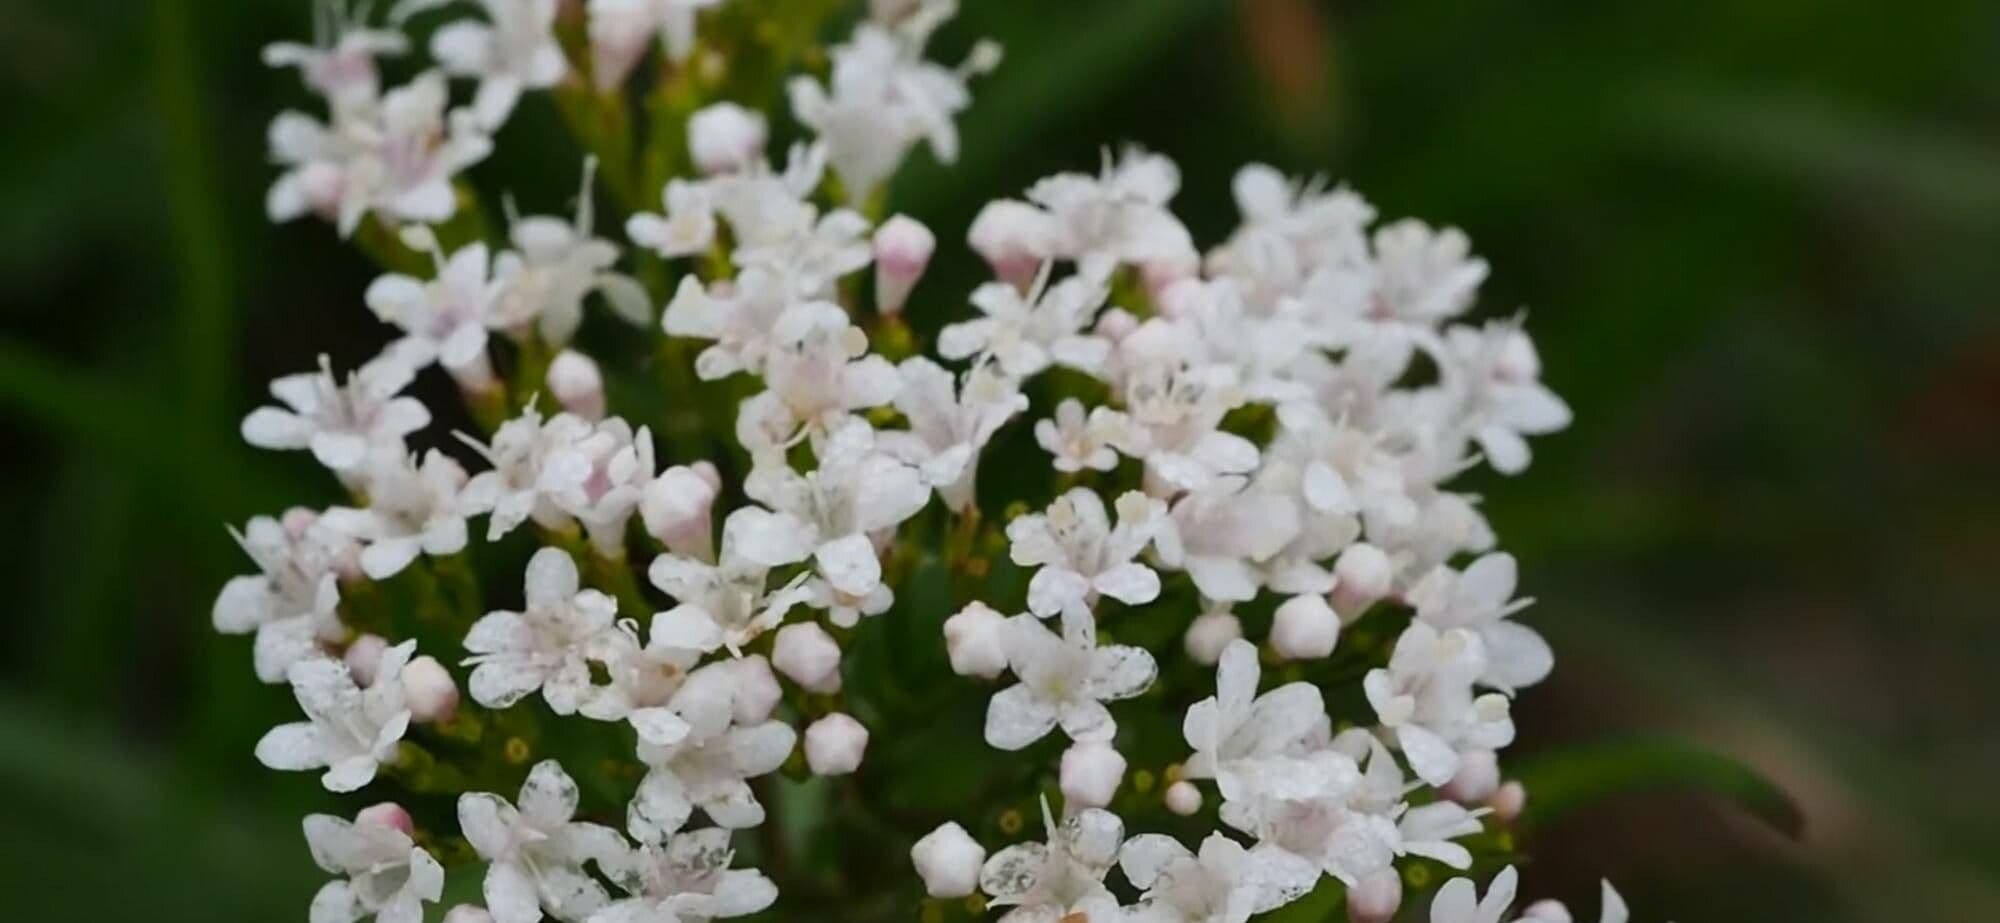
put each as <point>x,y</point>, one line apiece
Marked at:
<point>1758,243</point>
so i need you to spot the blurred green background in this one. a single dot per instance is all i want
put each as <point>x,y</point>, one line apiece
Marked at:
<point>1759,244</point>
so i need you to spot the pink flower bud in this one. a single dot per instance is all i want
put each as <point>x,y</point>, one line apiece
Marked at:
<point>577,384</point>
<point>1183,798</point>
<point>363,656</point>
<point>725,138</point>
<point>974,639</point>
<point>1363,575</point>
<point>903,247</point>
<point>1508,801</point>
<point>1376,897</point>
<point>809,656</point>
<point>620,31</point>
<point>1014,238</point>
<point>834,745</point>
<point>948,860</point>
<point>1116,323</point>
<point>677,508</point>
<point>299,520</point>
<point>1091,771</point>
<point>1208,634</point>
<point>1305,628</point>
<point>1477,779</point>
<point>429,691</point>
<point>468,913</point>
<point>387,814</point>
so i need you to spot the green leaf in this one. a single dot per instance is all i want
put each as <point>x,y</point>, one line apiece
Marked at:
<point>1565,780</point>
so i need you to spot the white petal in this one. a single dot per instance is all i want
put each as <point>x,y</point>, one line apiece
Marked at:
<point>292,746</point>
<point>1015,718</point>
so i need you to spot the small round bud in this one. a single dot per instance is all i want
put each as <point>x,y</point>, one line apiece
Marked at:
<point>756,689</point>
<point>725,138</point>
<point>1183,798</point>
<point>975,640</point>
<point>808,655</point>
<point>834,745</point>
<point>1208,634</point>
<point>1477,779</point>
<point>387,814</point>
<point>948,860</point>
<point>903,248</point>
<point>1305,628</point>
<point>1091,771</point>
<point>363,656</point>
<point>1116,323</point>
<point>468,913</point>
<point>677,506</point>
<point>1546,911</point>
<point>1363,575</point>
<point>1014,238</point>
<point>577,384</point>
<point>429,691</point>
<point>1376,897</point>
<point>1508,801</point>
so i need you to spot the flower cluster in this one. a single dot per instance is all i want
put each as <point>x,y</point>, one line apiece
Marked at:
<point>1253,440</point>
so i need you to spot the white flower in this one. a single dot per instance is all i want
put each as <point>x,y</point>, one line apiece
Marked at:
<point>1494,372</point>
<point>1221,534</point>
<point>1458,901</point>
<point>547,647</point>
<point>387,875</point>
<point>556,263</point>
<point>1424,275</point>
<point>1225,883</point>
<point>1046,883</point>
<point>1063,681</point>
<point>709,768</point>
<point>1237,724</point>
<point>1118,216</point>
<point>1078,442</point>
<point>856,493</point>
<point>621,29</point>
<point>948,860</point>
<point>729,603</point>
<point>817,372</point>
<point>412,509</point>
<point>513,490</point>
<point>1480,599</point>
<point>1425,697</point>
<point>340,64</point>
<point>450,314</point>
<point>292,602</point>
<point>882,98</point>
<point>949,427</point>
<point>342,423</point>
<point>598,477</point>
<point>349,731</point>
<point>1026,332</point>
<point>1080,553</point>
<point>535,853</point>
<point>514,50</point>
<point>396,156</point>
<point>687,879</point>
<point>1176,401</point>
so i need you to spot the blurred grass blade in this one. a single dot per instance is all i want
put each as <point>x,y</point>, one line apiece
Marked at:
<point>1562,781</point>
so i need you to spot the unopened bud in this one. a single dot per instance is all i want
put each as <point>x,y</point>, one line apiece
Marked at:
<point>756,689</point>
<point>1014,238</point>
<point>299,520</point>
<point>1116,323</point>
<point>1547,911</point>
<point>387,814</point>
<point>903,248</point>
<point>1208,634</point>
<point>810,656</point>
<point>1363,575</point>
<point>975,640</point>
<point>363,656</point>
<point>834,745</point>
<point>428,691</point>
<point>1508,801</point>
<point>1183,798</point>
<point>677,507</point>
<point>725,138</point>
<point>620,30</point>
<point>948,860</point>
<point>577,384</point>
<point>1090,774</point>
<point>468,913</point>
<point>1376,897</point>
<point>1477,779</point>
<point>1305,628</point>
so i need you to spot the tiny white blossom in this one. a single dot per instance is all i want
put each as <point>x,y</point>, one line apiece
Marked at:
<point>340,64</point>
<point>515,49</point>
<point>554,265</point>
<point>1458,900</point>
<point>349,730</point>
<point>1049,882</point>
<point>1078,442</point>
<point>1480,598</point>
<point>549,646</point>
<point>1064,681</point>
<point>450,314</point>
<point>387,875</point>
<point>412,509</point>
<point>292,602</point>
<point>621,29</point>
<point>729,603</point>
<point>1237,724</point>
<point>1027,331</point>
<point>950,426</point>
<point>534,850</point>
<point>343,423</point>
<point>817,373</point>
<point>1224,883</point>
<point>686,879</point>
<point>1118,216</point>
<point>1425,697</point>
<point>710,766</point>
<point>1081,554</point>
